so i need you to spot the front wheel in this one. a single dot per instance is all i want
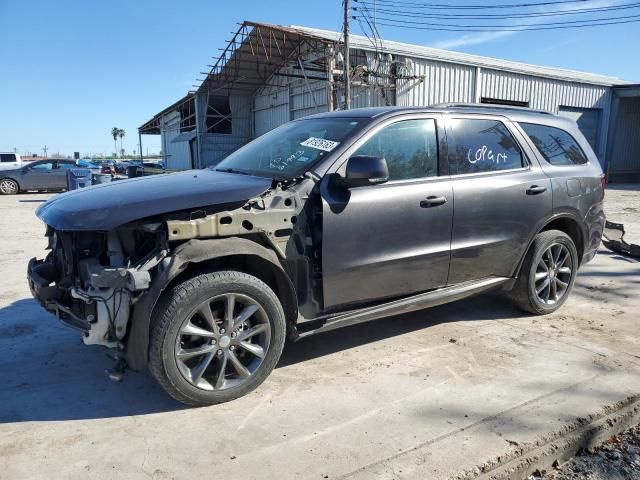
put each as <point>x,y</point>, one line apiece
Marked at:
<point>547,275</point>
<point>216,337</point>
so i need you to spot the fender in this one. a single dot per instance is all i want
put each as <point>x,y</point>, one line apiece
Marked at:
<point>193,252</point>
<point>556,216</point>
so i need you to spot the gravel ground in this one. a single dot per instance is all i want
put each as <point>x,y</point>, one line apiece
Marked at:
<point>617,459</point>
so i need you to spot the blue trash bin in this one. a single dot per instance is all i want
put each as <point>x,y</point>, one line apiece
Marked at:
<point>78,178</point>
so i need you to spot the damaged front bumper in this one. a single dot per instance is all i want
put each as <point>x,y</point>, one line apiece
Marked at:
<point>40,275</point>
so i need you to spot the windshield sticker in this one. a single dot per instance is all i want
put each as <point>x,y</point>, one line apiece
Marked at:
<point>320,144</point>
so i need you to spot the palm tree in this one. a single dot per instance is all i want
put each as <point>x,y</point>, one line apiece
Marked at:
<point>115,131</point>
<point>121,133</point>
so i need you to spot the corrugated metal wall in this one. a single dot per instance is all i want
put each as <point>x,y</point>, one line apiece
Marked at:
<point>442,82</point>
<point>549,94</point>
<point>270,110</point>
<point>176,154</point>
<point>438,82</point>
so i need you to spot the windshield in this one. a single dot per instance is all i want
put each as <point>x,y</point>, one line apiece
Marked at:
<point>290,150</point>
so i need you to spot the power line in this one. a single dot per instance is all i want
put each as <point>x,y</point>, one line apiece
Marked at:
<point>579,11</point>
<point>435,6</point>
<point>504,29</point>
<point>517,25</point>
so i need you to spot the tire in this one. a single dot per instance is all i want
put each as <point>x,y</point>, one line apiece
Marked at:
<point>529,291</point>
<point>9,187</point>
<point>253,347</point>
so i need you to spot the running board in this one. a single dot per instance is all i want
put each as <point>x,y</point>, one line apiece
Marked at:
<point>409,304</point>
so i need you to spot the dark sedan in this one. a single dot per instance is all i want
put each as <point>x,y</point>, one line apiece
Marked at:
<point>41,175</point>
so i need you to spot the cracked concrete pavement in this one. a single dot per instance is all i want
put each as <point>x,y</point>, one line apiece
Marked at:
<point>433,394</point>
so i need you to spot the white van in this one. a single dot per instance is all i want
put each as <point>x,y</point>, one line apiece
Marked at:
<point>10,161</point>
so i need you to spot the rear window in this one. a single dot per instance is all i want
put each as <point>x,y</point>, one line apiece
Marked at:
<point>482,146</point>
<point>556,146</point>
<point>7,157</point>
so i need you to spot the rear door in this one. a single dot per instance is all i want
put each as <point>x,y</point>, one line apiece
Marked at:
<point>59,177</point>
<point>502,197</point>
<point>391,239</point>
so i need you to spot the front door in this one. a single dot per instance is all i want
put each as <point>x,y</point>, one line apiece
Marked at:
<point>38,175</point>
<point>391,239</point>
<point>501,197</point>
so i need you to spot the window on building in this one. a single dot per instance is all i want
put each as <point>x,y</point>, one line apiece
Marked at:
<point>482,146</point>
<point>7,157</point>
<point>410,148</point>
<point>218,115</point>
<point>498,101</point>
<point>555,145</point>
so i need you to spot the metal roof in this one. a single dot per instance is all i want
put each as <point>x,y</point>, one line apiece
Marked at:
<point>418,51</point>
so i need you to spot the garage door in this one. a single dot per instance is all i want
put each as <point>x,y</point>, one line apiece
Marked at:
<point>588,120</point>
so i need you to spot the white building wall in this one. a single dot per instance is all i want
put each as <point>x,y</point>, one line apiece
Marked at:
<point>175,154</point>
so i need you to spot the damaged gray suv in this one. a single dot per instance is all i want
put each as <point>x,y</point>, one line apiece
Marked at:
<point>327,221</point>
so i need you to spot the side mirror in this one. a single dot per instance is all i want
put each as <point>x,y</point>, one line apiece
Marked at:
<point>363,170</point>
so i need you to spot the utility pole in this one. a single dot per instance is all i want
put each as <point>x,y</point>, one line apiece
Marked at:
<point>45,151</point>
<point>347,63</point>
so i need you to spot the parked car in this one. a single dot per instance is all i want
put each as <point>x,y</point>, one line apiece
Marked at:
<point>327,221</point>
<point>10,161</point>
<point>45,175</point>
<point>90,165</point>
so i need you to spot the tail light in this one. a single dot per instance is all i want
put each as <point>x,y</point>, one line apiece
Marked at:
<point>603,181</point>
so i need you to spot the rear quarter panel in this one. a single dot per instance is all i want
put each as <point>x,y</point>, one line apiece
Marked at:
<point>577,189</point>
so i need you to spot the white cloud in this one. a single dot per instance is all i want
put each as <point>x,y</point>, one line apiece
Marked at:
<point>471,39</point>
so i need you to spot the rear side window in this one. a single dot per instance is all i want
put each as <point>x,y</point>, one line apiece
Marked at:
<point>555,145</point>
<point>482,146</point>
<point>7,157</point>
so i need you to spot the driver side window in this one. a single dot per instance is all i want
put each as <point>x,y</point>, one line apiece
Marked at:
<point>410,148</point>
<point>43,166</point>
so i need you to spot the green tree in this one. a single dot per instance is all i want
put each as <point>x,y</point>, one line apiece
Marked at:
<point>121,133</point>
<point>115,131</point>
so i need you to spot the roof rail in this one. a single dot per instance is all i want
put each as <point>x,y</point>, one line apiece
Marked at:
<point>490,106</point>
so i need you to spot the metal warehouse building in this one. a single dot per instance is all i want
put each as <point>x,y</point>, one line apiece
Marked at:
<point>269,74</point>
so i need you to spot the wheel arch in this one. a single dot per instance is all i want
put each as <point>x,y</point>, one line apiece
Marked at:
<point>566,223</point>
<point>195,257</point>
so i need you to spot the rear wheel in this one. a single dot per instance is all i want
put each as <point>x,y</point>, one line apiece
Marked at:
<point>9,187</point>
<point>548,273</point>
<point>216,337</point>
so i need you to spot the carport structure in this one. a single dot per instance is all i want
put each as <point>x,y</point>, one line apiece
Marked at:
<point>217,117</point>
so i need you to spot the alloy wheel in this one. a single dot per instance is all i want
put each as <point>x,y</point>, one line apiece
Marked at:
<point>223,342</point>
<point>553,274</point>
<point>8,187</point>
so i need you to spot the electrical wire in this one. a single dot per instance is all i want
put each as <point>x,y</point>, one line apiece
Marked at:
<point>505,28</point>
<point>499,27</point>
<point>503,16</point>
<point>448,6</point>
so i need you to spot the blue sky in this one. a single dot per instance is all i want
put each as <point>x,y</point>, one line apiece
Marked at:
<point>72,69</point>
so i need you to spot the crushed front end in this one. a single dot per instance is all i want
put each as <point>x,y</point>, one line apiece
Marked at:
<point>91,280</point>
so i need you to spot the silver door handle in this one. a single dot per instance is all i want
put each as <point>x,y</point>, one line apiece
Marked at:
<point>433,201</point>
<point>535,190</point>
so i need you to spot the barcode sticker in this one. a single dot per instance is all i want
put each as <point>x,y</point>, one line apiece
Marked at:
<point>320,144</point>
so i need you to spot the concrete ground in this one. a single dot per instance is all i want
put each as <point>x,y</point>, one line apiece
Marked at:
<point>440,393</point>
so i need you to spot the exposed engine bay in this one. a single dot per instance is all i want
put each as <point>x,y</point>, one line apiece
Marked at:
<point>92,281</point>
